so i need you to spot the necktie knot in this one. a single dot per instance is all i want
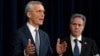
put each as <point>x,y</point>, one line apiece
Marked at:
<point>36,30</point>
<point>75,40</point>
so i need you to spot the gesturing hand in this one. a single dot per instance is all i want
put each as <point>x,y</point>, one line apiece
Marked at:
<point>61,47</point>
<point>30,48</point>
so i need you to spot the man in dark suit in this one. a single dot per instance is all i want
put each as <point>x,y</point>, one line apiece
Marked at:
<point>29,40</point>
<point>76,44</point>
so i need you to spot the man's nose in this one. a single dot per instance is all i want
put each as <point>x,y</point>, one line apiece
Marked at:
<point>76,26</point>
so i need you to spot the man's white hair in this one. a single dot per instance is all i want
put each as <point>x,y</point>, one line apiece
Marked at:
<point>29,5</point>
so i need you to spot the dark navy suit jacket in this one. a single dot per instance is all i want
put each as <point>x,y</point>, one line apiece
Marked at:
<point>88,48</point>
<point>20,40</point>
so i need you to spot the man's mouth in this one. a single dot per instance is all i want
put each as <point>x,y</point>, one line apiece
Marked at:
<point>41,19</point>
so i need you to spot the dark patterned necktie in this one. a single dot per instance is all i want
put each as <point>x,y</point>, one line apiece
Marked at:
<point>76,49</point>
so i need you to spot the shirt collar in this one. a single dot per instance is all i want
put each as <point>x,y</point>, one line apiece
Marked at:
<point>78,38</point>
<point>31,28</point>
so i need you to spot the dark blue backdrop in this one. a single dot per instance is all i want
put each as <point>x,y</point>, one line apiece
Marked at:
<point>56,24</point>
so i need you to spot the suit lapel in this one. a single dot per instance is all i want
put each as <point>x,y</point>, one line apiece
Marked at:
<point>28,33</point>
<point>70,48</point>
<point>41,42</point>
<point>83,49</point>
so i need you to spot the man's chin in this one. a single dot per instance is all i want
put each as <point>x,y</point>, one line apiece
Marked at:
<point>75,35</point>
<point>41,24</point>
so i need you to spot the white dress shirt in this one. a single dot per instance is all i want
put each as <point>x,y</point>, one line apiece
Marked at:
<point>32,30</point>
<point>78,42</point>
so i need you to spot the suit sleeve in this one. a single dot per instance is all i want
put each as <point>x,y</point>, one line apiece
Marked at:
<point>95,49</point>
<point>17,48</point>
<point>50,51</point>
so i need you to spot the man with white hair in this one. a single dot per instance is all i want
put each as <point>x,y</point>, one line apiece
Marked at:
<point>29,40</point>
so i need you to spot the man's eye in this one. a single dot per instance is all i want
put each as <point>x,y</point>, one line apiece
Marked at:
<point>74,24</point>
<point>40,11</point>
<point>80,24</point>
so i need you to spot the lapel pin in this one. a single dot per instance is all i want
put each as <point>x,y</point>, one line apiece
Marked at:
<point>85,43</point>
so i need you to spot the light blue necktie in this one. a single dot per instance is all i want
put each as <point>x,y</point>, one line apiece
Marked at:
<point>37,41</point>
<point>76,49</point>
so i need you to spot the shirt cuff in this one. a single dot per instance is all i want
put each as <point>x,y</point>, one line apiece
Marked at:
<point>25,53</point>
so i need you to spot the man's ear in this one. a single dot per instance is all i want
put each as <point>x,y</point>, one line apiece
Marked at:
<point>28,14</point>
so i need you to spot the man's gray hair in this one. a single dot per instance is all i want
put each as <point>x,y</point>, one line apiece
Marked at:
<point>29,5</point>
<point>81,16</point>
